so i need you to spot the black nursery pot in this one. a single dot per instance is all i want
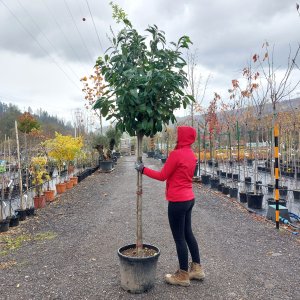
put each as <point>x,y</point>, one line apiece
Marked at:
<point>214,183</point>
<point>235,177</point>
<point>4,225</point>
<point>258,185</point>
<point>14,221</point>
<point>233,192</point>
<point>283,191</point>
<point>243,197</point>
<point>21,213</point>
<point>150,154</point>
<point>248,180</point>
<point>229,175</point>
<point>106,165</point>
<point>255,200</point>
<point>296,194</point>
<point>270,188</point>
<point>138,273</point>
<point>205,179</point>
<point>220,187</point>
<point>164,159</point>
<point>30,211</point>
<point>223,174</point>
<point>225,190</point>
<point>271,201</point>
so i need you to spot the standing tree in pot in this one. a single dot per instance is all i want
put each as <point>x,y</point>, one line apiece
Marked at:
<point>145,87</point>
<point>26,124</point>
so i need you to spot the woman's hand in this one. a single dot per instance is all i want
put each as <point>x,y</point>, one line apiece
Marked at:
<point>139,166</point>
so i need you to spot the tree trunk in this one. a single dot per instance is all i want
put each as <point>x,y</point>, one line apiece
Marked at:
<point>139,191</point>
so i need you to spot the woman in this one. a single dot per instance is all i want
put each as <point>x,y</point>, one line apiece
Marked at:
<point>178,171</point>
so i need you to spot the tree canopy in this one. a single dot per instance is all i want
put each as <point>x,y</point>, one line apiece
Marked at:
<point>145,79</point>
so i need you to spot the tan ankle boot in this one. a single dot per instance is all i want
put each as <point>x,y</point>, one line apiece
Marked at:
<point>179,278</point>
<point>196,271</point>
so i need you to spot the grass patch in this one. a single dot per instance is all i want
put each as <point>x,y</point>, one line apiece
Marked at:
<point>8,244</point>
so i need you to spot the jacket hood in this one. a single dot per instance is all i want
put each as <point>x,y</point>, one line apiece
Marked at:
<point>186,136</point>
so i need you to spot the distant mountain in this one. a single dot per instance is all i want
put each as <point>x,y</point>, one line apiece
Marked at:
<point>283,106</point>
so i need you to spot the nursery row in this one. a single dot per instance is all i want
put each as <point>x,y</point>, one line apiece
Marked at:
<point>18,206</point>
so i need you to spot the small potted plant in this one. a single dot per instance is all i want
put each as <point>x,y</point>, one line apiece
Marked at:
<point>40,175</point>
<point>4,223</point>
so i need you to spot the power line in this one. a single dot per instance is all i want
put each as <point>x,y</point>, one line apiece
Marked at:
<point>83,42</point>
<point>46,38</point>
<point>87,3</point>
<point>39,44</point>
<point>68,43</point>
<point>63,33</point>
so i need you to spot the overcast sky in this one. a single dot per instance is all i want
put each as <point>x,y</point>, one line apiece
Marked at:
<point>46,47</point>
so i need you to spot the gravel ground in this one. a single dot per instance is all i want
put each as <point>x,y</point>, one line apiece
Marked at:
<point>244,256</point>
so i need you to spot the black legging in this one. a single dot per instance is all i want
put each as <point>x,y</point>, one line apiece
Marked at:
<point>180,219</point>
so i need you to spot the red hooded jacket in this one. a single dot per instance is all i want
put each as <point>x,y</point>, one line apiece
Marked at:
<point>179,168</point>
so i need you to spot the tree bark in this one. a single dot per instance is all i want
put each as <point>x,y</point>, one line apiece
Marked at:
<point>139,191</point>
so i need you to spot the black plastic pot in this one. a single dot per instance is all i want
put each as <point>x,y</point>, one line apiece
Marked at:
<point>225,190</point>
<point>82,175</point>
<point>283,190</point>
<point>214,182</point>
<point>235,177</point>
<point>248,180</point>
<point>220,187</point>
<point>233,192</point>
<point>138,273</point>
<point>30,211</point>
<point>271,201</point>
<point>151,154</point>
<point>21,213</point>
<point>13,221</point>
<point>164,159</point>
<point>223,174</point>
<point>258,185</point>
<point>4,225</point>
<point>106,165</point>
<point>243,197</point>
<point>205,179</point>
<point>229,175</point>
<point>249,162</point>
<point>117,154</point>
<point>255,200</point>
<point>270,188</point>
<point>296,194</point>
<point>290,174</point>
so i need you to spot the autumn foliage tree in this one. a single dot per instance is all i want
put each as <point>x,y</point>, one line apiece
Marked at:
<point>93,87</point>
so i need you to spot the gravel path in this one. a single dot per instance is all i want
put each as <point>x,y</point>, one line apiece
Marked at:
<point>76,257</point>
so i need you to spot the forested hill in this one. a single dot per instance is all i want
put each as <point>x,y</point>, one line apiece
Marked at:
<point>49,124</point>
